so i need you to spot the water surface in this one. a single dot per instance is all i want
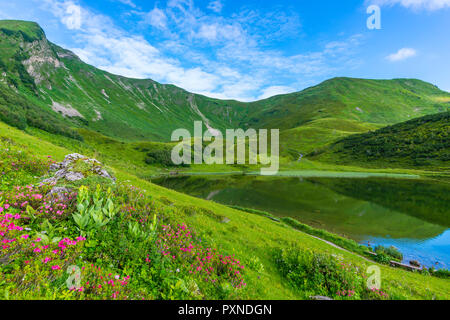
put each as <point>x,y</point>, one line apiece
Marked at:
<point>411,214</point>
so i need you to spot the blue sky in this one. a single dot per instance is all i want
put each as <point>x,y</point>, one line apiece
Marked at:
<point>249,50</point>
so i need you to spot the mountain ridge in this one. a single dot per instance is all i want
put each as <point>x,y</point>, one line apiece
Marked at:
<point>58,86</point>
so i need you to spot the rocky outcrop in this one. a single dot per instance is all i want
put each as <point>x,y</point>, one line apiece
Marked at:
<point>76,167</point>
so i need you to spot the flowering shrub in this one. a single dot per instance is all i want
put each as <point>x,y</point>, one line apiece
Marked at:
<point>182,246</point>
<point>35,201</point>
<point>98,283</point>
<point>29,263</point>
<point>17,166</point>
<point>325,275</point>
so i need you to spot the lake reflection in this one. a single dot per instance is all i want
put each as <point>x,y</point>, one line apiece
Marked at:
<point>410,214</point>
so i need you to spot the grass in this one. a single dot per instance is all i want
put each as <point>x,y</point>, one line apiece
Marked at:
<point>252,236</point>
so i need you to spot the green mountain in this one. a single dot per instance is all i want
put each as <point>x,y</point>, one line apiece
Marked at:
<point>416,143</point>
<point>40,76</point>
<point>45,86</point>
<point>370,101</point>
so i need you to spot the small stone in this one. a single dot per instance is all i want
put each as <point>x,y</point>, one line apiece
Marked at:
<point>321,298</point>
<point>225,220</point>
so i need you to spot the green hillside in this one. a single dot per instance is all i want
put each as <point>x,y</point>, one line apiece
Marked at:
<point>45,86</point>
<point>422,142</point>
<point>371,101</point>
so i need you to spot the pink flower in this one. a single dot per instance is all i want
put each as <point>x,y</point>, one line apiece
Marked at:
<point>56,267</point>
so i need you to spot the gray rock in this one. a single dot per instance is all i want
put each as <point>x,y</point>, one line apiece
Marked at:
<point>64,169</point>
<point>322,298</point>
<point>60,193</point>
<point>225,220</point>
<point>74,176</point>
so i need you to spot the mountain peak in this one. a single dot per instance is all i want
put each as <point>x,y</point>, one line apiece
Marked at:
<point>30,31</point>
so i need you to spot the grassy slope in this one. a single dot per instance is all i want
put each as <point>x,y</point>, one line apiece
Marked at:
<point>318,134</point>
<point>419,143</point>
<point>251,235</point>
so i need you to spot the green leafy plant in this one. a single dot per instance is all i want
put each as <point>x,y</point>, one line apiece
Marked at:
<point>93,211</point>
<point>391,252</point>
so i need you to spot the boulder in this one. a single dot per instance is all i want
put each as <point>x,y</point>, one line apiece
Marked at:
<point>60,193</point>
<point>66,169</point>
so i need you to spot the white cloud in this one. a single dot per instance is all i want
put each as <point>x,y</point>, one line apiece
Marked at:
<point>157,18</point>
<point>215,6</point>
<point>128,3</point>
<point>202,53</point>
<point>415,4</point>
<point>69,13</point>
<point>275,90</point>
<point>402,54</point>
<point>208,32</point>
<point>72,16</point>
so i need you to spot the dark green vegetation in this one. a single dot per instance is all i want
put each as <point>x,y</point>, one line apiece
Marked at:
<point>367,101</point>
<point>422,142</point>
<point>58,83</point>
<point>391,251</point>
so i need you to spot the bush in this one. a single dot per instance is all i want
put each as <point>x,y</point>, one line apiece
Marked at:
<point>320,274</point>
<point>382,258</point>
<point>391,252</point>
<point>162,155</point>
<point>443,273</point>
